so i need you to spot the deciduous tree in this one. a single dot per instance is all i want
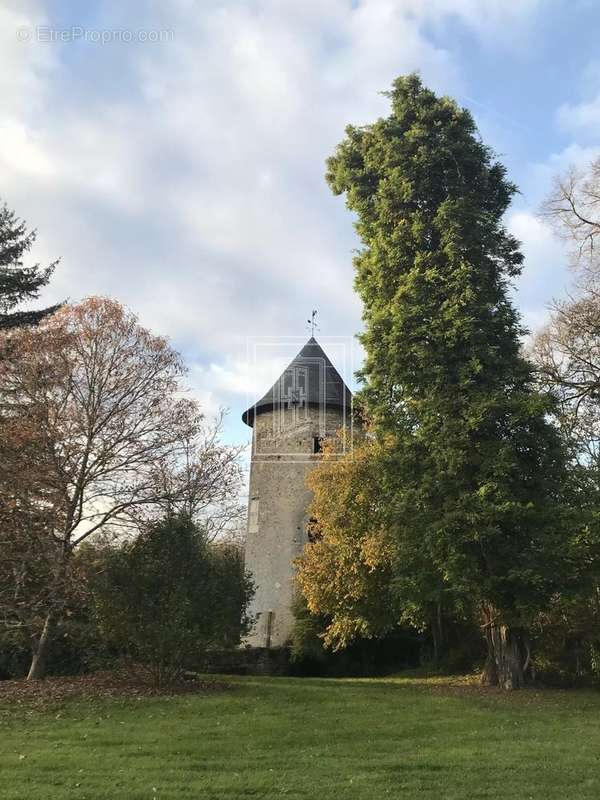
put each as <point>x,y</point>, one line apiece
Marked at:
<point>346,572</point>
<point>566,352</point>
<point>573,210</point>
<point>202,481</point>
<point>357,571</point>
<point>105,399</point>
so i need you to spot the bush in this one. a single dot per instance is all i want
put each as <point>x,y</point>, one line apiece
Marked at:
<point>166,598</point>
<point>400,649</point>
<point>77,645</point>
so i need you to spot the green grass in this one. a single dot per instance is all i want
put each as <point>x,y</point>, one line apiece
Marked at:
<point>307,738</point>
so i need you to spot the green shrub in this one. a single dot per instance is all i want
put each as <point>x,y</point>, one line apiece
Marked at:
<point>168,597</point>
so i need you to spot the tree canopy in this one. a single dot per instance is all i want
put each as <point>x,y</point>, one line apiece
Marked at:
<point>19,284</point>
<point>473,469</point>
<point>166,597</point>
<point>95,432</point>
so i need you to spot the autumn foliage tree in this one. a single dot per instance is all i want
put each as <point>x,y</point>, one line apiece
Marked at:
<point>29,509</point>
<point>472,478</point>
<point>357,572</point>
<point>345,573</point>
<point>103,398</point>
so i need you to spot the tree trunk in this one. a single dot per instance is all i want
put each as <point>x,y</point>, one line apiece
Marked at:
<point>436,644</point>
<point>508,660</point>
<point>40,651</point>
<point>489,676</point>
<point>437,635</point>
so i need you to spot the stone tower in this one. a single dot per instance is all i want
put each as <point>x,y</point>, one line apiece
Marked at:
<point>306,404</point>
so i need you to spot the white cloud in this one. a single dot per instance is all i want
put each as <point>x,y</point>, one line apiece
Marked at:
<point>25,65</point>
<point>497,19</point>
<point>545,275</point>
<point>581,117</point>
<point>186,178</point>
<point>23,154</point>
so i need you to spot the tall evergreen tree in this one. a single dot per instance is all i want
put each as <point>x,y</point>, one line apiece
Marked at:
<point>475,466</point>
<point>18,283</point>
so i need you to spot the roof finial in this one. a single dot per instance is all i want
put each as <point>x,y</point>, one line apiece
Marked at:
<point>313,325</point>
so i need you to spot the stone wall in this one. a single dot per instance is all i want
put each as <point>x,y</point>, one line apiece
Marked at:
<point>282,456</point>
<point>247,661</point>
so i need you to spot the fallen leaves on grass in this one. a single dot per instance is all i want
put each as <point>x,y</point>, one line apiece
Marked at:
<point>108,684</point>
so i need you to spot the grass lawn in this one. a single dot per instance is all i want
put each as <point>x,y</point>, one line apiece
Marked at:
<point>307,738</point>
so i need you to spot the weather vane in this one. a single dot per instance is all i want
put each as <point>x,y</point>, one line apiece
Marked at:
<point>313,325</point>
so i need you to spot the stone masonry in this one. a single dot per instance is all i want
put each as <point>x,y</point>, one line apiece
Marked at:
<point>307,404</point>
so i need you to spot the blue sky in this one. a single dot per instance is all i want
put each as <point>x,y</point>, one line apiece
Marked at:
<point>184,176</point>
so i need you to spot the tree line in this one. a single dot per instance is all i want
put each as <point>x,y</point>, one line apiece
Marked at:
<point>471,497</point>
<point>467,510</point>
<point>118,499</point>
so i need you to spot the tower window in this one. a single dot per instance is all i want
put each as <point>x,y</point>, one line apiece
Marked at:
<point>253,516</point>
<point>317,444</point>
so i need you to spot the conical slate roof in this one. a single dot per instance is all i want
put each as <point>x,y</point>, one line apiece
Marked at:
<point>310,379</point>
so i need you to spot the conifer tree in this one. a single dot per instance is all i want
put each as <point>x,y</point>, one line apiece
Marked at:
<point>18,283</point>
<point>474,474</point>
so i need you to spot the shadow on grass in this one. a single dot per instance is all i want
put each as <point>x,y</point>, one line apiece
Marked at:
<point>420,682</point>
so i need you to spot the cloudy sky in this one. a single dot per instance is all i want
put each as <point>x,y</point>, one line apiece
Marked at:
<point>172,152</point>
